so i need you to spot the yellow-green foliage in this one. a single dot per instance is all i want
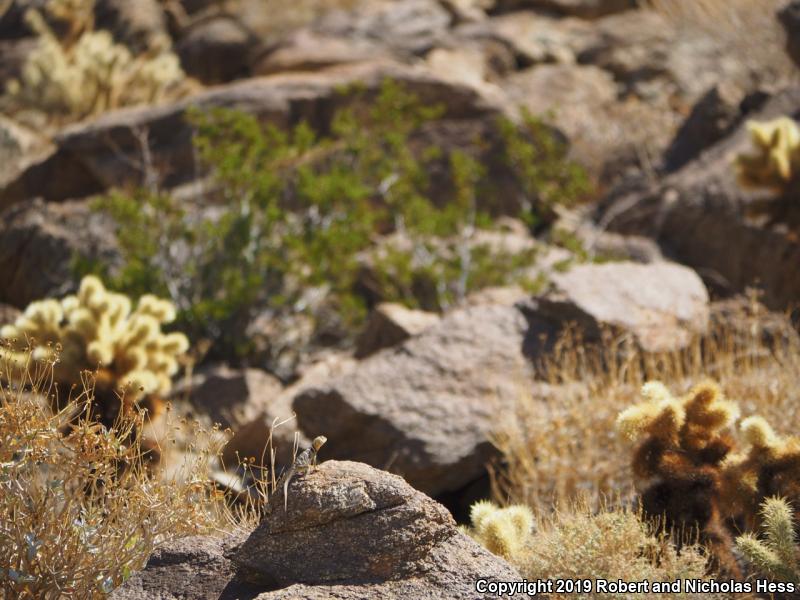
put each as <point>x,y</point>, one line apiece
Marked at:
<point>98,329</point>
<point>86,72</point>
<point>776,554</point>
<point>503,531</point>
<point>777,154</point>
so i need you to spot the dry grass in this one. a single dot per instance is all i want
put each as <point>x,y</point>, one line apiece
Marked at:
<point>565,448</point>
<point>582,544</point>
<point>79,506</point>
<point>747,30</point>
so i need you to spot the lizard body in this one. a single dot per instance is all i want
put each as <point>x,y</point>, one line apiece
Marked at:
<point>303,463</point>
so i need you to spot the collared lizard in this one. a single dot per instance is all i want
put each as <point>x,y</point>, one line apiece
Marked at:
<point>304,462</point>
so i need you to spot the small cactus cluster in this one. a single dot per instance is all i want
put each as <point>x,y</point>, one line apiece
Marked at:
<point>775,555</point>
<point>98,329</point>
<point>86,72</point>
<point>678,462</point>
<point>776,159</point>
<point>689,471</point>
<point>769,467</point>
<point>503,531</point>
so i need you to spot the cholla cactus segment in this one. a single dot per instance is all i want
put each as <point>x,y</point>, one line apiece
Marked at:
<point>678,461</point>
<point>770,466</point>
<point>776,555</point>
<point>479,511</point>
<point>776,159</point>
<point>75,78</point>
<point>759,433</point>
<point>503,531</point>
<point>97,328</point>
<point>661,414</point>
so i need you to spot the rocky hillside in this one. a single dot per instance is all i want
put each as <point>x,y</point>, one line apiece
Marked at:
<point>452,236</point>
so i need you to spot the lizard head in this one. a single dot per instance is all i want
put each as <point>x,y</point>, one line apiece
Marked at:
<point>318,442</point>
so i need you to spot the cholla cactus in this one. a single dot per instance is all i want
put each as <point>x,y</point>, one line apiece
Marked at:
<point>777,155</point>
<point>98,329</point>
<point>678,461</point>
<point>680,433</point>
<point>503,531</point>
<point>769,467</point>
<point>86,75</point>
<point>776,555</point>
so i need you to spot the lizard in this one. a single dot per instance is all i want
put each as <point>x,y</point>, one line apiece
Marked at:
<point>303,463</point>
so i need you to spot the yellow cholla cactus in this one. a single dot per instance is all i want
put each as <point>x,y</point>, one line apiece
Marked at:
<point>502,531</point>
<point>776,159</point>
<point>98,329</point>
<point>662,416</point>
<point>770,466</point>
<point>90,74</point>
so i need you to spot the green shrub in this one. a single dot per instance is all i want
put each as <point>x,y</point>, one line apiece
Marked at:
<point>297,210</point>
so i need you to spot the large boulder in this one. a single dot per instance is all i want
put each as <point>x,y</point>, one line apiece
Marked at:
<point>306,50</point>
<point>252,404</point>
<point>40,244</point>
<point>216,50</point>
<point>192,568</point>
<point>350,531</point>
<point>390,324</point>
<point>426,408</point>
<point>604,131</point>
<point>654,58</point>
<point>701,217</point>
<point>532,37</point>
<point>274,426</point>
<point>662,305</point>
<point>234,397</point>
<point>411,27</point>
<point>93,156</point>
<point>715,115</point>
<point>308,536</point>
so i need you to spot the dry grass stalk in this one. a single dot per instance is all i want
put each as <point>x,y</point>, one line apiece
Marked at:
<point>79,507</point>
<point>587,544</point>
